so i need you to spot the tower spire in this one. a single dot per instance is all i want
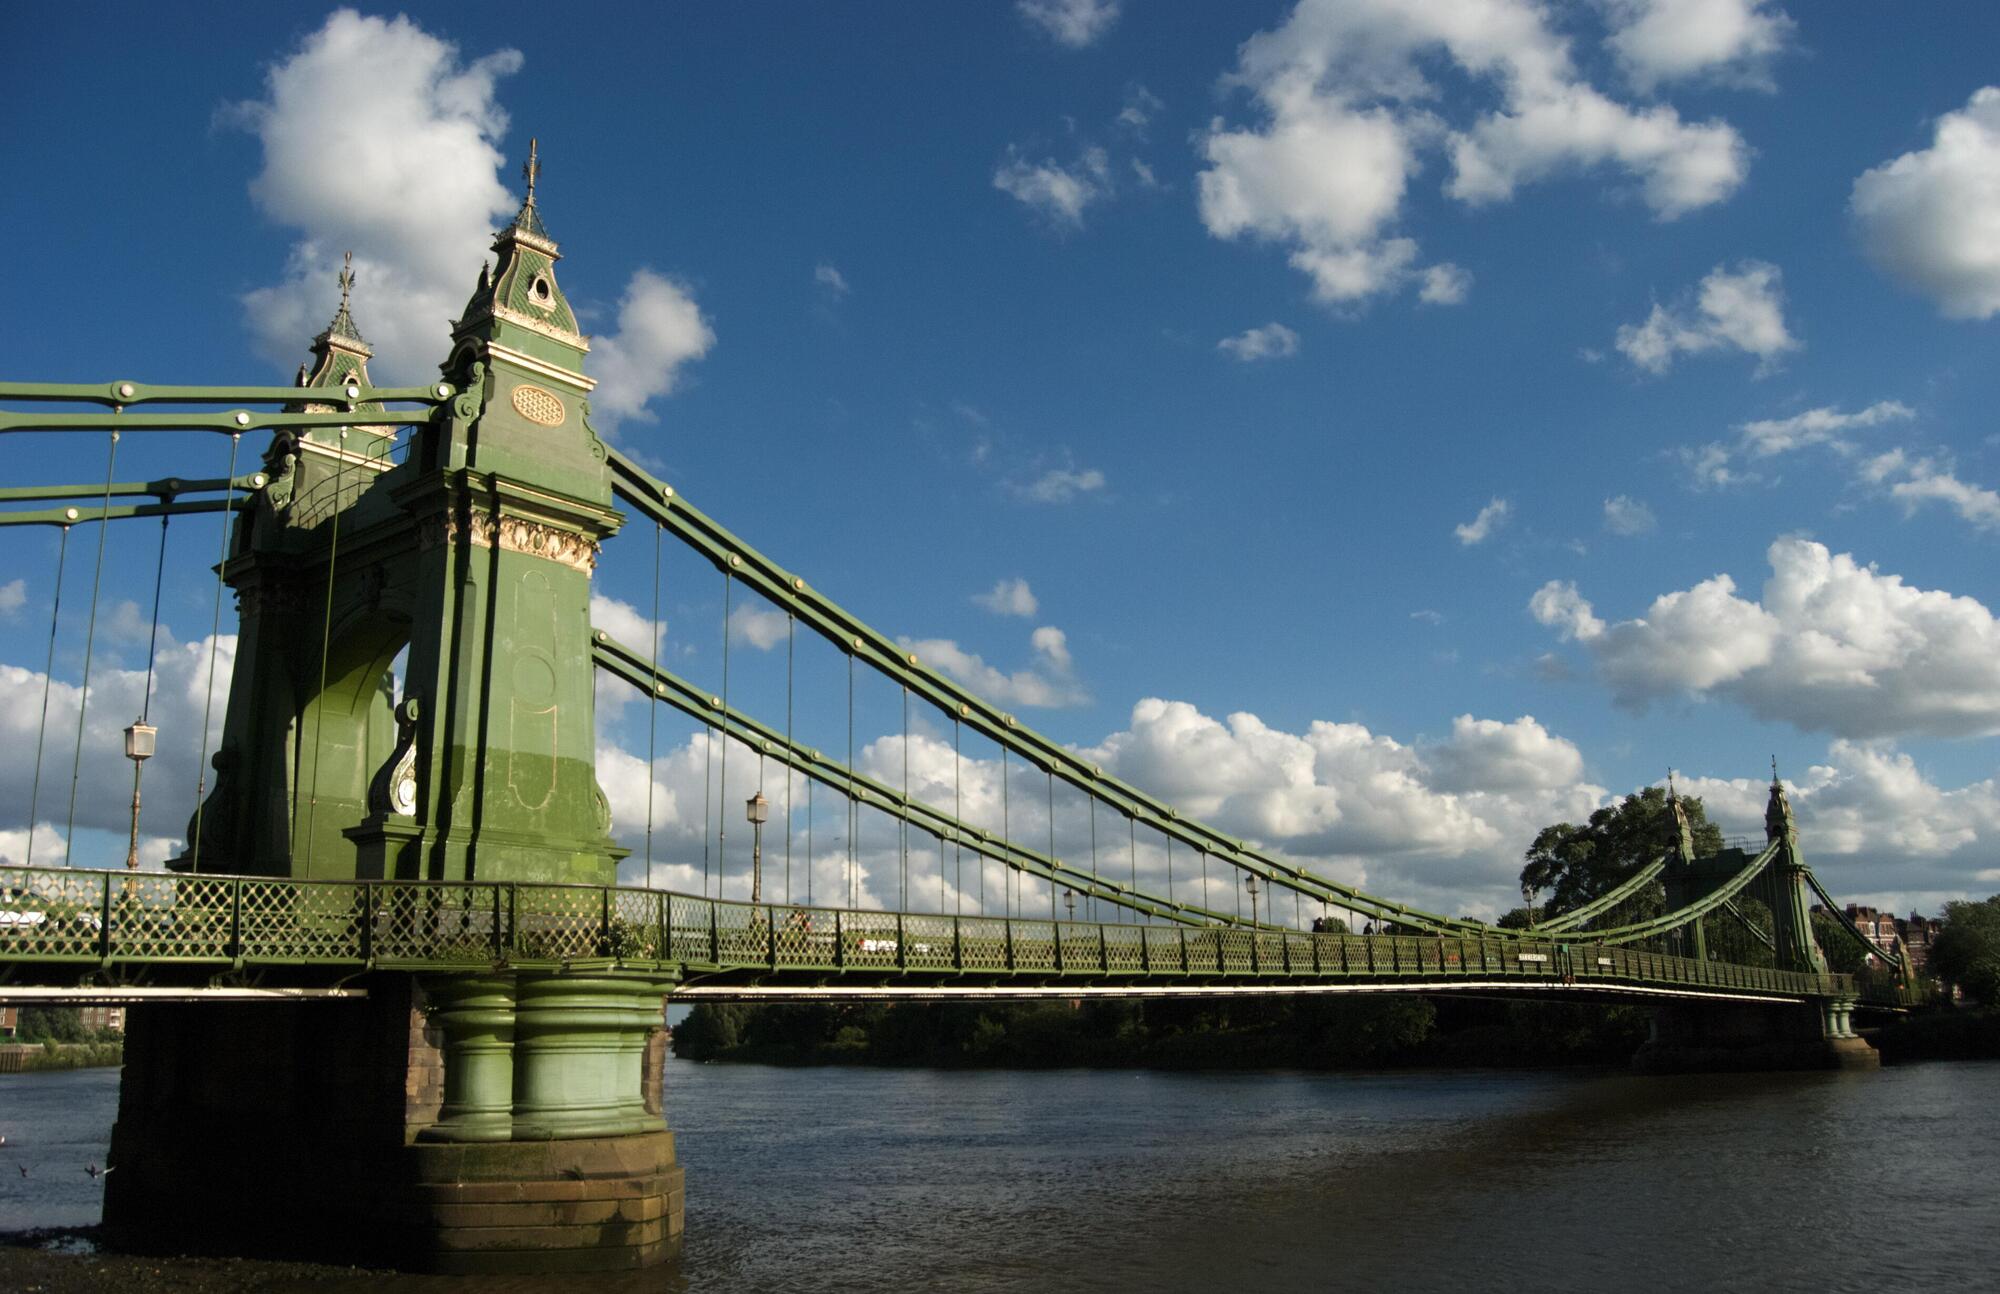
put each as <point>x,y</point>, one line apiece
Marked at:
<point>520,292</point>
<point>339,353</point>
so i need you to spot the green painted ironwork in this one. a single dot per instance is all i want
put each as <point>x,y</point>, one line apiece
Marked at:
<point>637,669</point>
<point>1633,886</point>
<point>58,922</point>
<point>788,590</point>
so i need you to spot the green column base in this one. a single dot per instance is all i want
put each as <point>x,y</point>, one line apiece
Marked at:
<point>579,1042</point>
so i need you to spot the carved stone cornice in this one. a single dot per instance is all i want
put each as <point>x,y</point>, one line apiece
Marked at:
<point>510,534</point>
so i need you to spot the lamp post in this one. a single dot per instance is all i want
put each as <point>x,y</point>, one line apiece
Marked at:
<point>1251,885</point>
<point>758,810</point>
<point>139,743</point>
<point>1069,901</point>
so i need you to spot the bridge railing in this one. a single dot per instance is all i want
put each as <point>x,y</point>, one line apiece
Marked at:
<point>113,919</point>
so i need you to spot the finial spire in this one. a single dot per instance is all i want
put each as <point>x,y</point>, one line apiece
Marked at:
<point>343,318</point>
<point>531,170</point>
<point>1774,770</point>
<point>1670,783</point>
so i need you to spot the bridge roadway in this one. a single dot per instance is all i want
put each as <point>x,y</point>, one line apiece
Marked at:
<point>77,934</point>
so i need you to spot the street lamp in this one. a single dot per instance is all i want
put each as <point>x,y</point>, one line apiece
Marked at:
<point>758,810</point>
<point>1069,901</point>
<point>1251,885</point>
<point>139,744</point>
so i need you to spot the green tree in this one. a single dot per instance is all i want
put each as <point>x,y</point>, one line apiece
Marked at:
<point>1844,955</point>
<point>1967,950</point>
<point>711,1029</point>
<point>51,1024</point>
<point>1575,864</point>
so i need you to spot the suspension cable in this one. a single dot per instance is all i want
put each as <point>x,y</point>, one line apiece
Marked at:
<point>1093,856</point>
<point>146,697</point>
<point>852,821</point>
<point>325,646</point>
<point>653,706</point>
<point>1007,839</point>
<point>153,638</point>
<point>958,815</point>
<point>707,796</point>
<point>214,641</point>
<point>903,899</point>
<point>1052,845</point>
<point>1132,846</point>
<point>791,629</point>
<point>48,677</point>
<point>89,648</point>
<point>809,841</point>
<point>722,792</point>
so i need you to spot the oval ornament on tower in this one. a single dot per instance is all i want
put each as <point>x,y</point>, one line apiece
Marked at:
<point>539,406</point>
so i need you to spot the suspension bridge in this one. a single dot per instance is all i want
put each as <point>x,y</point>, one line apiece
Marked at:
<point>393,947</point>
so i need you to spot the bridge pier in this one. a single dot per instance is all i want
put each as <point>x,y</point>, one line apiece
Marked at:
<point>1701,1038</point>
<point>487,1123</point>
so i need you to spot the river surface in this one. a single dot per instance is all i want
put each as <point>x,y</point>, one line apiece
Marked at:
<point>867,1179</point>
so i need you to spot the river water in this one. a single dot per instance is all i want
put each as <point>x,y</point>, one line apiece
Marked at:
<point>905,1180</point>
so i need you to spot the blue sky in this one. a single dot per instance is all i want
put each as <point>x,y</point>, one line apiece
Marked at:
<point>1492,403</point>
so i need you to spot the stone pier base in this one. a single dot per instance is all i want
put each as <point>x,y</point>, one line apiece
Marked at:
<point>313,1130</point>
<point>1699,1038</point>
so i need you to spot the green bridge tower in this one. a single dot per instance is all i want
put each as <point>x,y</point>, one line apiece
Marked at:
<point>473,1122</point>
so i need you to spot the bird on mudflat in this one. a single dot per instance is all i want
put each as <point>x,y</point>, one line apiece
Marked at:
<point>96,1172</point>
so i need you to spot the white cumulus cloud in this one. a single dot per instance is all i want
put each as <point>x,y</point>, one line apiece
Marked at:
<point>1931,218</point>
<point>1272,341</point>
<point>1351,104</point>
<point>1072,24</point>
<point>1624,515</point>
<point>1656,41</point>
<point>1741,309</point>
<point>404,173</point>
<point>1056,192</point>
<point>13,596</point>
<point>1480,528</point>
<point>1048,683</point>
<point>660,328</point>
<point>1009,598</point>
<point>1832,645</point>
<point>1060,485</point>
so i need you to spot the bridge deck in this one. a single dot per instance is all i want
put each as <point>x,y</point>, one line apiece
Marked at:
<point>78,928</point>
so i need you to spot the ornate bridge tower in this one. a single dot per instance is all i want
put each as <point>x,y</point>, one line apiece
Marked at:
<point>486,1121</point>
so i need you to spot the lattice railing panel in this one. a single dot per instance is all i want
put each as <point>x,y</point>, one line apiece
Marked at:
<point>168,918</point>
<point>690,931</point>
<point>1034,945</point>
<point>927,943</point>
<point>805,937</point>
<point>868,939</point>
<point>1082,947</point>
<point>51,914</point>
<point>982,943</point>
<point>1124,948</point>
<point>460,924</point>
<point>742,935</point>
<point>280,921</point>
<point>1163,948</point>
<point>638,920</point>
<point>559,923</point>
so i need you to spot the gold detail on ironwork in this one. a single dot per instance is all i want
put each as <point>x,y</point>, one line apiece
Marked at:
<point>510,535</point>
<point>539,406</point>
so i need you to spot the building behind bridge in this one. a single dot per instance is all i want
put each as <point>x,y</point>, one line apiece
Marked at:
<point>1917,931</point>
